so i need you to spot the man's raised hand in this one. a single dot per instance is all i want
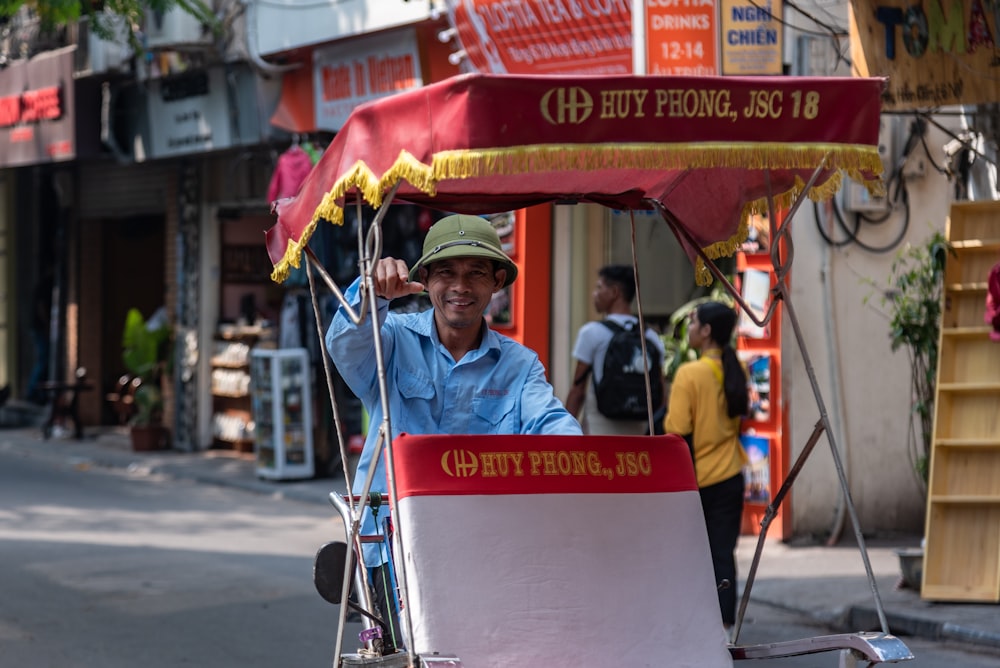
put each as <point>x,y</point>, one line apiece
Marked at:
<point>392,279</point>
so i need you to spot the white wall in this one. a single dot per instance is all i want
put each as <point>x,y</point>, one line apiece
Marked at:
<point>275,27</point>
<point>847,338</point>
<point>850,338</point>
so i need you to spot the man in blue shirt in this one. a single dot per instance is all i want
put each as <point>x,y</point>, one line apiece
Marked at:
<point>447,371</point>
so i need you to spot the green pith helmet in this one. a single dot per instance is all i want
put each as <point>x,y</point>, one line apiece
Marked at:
<point>463,236</point>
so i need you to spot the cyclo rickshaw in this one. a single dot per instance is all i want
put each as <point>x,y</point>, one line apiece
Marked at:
<point>588,551</point>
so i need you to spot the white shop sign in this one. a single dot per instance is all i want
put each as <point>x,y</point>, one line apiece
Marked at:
<point>189,114</point>
<point>347,74</point>
<point>280,26</point>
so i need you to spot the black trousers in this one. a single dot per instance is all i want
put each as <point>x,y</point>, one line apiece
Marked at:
<point>384,601</point>
<point>722,504</point>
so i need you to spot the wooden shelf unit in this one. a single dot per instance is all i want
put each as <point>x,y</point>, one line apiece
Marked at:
<point>962,553</point>
<point>232,420</point>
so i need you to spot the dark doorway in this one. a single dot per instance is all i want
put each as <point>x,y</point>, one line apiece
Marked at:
<point>132,276</point>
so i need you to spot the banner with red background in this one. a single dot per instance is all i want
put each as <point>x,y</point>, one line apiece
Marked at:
<point>565,37</point>
<point>708,149</point>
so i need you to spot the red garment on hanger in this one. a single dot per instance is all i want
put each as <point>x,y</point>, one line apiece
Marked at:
<point>293,167</point>
<point>992,315</point>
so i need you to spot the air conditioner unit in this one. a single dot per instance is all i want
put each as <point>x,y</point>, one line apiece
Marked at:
<point>174,29</point>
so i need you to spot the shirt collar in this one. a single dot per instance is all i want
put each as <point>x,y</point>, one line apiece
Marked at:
<point>423,325</point>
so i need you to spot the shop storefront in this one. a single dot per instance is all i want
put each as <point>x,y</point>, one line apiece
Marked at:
<point>186,147</point>
<point>318,93</point>
<point>46,123</point>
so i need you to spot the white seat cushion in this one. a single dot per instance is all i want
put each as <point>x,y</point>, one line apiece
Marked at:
<point>541,551</point>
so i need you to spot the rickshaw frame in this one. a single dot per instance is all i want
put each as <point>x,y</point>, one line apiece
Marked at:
<point>871,647</point>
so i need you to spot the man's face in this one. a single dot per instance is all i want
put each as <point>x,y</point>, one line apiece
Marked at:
<point>460,289</point>
<point>604,295</point>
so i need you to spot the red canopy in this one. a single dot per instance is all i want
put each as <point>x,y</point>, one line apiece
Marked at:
<point>707,148</point>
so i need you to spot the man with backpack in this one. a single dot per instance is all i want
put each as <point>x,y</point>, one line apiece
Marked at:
<point>609,383</point>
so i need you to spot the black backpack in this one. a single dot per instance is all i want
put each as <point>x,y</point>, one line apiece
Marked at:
<point>621,392</point>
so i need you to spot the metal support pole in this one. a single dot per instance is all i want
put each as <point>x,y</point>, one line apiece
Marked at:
<point>838,464</point>
<point>780,293</point>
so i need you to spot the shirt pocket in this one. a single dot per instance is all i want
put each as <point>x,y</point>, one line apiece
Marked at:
<point>413,385</point>
<point>495,415</point>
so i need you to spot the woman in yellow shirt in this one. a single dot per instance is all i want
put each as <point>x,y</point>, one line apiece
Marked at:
<point>707,399</point>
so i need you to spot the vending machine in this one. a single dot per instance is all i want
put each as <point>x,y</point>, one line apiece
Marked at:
<point>281,393</point>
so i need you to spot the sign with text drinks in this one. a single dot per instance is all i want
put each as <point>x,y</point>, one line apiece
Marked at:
<point>681,37</point>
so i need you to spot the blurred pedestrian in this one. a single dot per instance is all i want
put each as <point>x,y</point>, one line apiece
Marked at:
<point>609,352</point>
<point>708,397</point>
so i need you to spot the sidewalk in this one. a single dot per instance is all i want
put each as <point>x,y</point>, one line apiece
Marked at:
<point>826,585</point>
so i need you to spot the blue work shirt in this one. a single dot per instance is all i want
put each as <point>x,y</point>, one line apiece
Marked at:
<point>499,388</point>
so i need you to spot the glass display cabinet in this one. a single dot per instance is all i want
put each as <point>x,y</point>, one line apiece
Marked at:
<point>281,394</point>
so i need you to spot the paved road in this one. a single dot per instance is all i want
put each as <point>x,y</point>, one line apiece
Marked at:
<point>122,567</point>
<point>109,570</point>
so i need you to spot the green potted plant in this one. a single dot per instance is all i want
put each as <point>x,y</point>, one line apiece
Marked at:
<point>913,298</point>
<point>146,354</point>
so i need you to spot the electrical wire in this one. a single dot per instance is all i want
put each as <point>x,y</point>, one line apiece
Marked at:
<point>852,234</point>
<point>833,32</point>
<point>825,11</point>
<point>827,237</point>
<point>831,344</point>
<point>827,29</point>
<point>966,145</point>
<point>896,194</point>
<point>926,117</point>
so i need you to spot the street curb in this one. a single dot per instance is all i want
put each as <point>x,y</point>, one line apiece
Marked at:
<point>951,631</point>
<point>253,485</point>
<point>866,618</point>
<point>863,618</point>
<point>125,461</point>
<point>837,619</point>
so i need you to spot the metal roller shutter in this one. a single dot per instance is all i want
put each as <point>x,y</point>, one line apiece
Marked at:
<point>109,190</point>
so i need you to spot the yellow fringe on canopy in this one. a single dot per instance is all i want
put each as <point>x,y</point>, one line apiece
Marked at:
<point>360,177</point>
<point>859,161</point>
<point>820,192</point>
<point>462,164</point>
